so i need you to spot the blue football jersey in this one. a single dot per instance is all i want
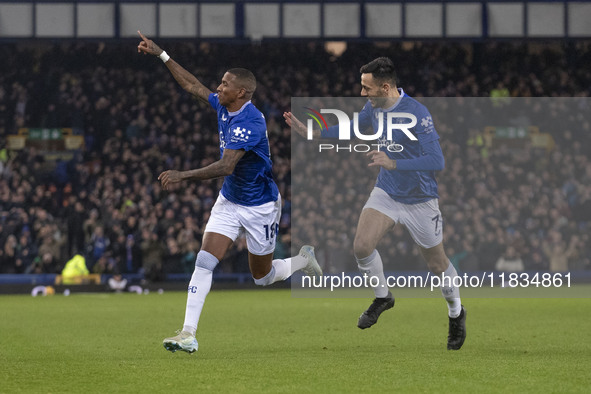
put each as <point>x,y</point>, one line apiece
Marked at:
<point>408,183</point>
<point>252,182</point>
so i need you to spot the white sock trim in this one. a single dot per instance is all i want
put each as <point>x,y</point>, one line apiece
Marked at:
<point>366,260</point>
<point>267,279</point>
<point>206,260</point>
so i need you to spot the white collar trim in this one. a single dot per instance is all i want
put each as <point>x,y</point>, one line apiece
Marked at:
<point>240,110</point>
<point>402,94</point>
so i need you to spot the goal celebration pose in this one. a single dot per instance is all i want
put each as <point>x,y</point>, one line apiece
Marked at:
<point>405,192</point>
<point>249,200</point>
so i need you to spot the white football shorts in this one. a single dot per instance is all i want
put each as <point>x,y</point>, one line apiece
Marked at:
<point>423,220</point>
<point>260,223</point>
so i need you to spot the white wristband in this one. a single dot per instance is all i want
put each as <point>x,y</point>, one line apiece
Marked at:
<point>164,57</point>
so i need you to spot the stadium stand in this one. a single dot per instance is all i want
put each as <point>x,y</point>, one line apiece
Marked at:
<point>106,203</point>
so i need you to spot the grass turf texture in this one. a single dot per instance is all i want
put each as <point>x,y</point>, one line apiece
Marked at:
<point>266,341</point>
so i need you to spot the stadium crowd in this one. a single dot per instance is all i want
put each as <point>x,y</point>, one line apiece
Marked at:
<point>504,208</point>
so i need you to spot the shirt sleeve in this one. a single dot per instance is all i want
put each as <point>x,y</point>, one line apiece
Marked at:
<point>364,123</point>
<point>430,159</point>
<point>331,132</point>
<point>214,101</point>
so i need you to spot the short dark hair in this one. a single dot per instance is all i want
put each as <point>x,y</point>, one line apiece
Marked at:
<point>245,79</point>
<point>382,69</point>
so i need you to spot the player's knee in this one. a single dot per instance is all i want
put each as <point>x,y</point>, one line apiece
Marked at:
<point>362,247</point>
<point>206,260</point>
<point>263,279</point>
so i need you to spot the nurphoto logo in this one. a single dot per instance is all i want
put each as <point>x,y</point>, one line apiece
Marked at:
<point>402,121</point>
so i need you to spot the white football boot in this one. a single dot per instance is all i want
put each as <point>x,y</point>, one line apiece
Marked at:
<point>312,268</point>
<point>184,341</point>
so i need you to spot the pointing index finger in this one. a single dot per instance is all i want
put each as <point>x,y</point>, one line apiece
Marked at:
<point>141,35</point>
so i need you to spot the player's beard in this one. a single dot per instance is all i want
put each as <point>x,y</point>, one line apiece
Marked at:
<point>378,102</point>
<point>381,102</point>
<point>226,99</point>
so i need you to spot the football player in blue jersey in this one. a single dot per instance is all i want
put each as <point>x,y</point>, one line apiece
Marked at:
<point>405,192</point>
<point>249,201</point>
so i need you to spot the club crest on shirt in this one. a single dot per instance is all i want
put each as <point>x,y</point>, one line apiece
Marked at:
<point>240,134</point>
<point>427,123</point>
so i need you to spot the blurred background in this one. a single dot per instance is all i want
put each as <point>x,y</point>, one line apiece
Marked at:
<point>87,124</point>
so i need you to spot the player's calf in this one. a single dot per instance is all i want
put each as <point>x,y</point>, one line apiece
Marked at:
<point>282,269</point>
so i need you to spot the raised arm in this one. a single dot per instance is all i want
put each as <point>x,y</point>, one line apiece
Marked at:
<point>184,78</point>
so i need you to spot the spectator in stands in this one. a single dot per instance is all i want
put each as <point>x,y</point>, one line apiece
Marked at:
<point>26,252</point>
<point>76,215</point>
<point>510,261</point>
<point>98,245</point>
<point>173,257</point>
<point>9,256</point>
<point>104,265</point>
<point>117,283</point>
<point>557,252</point>
<point>89,225</point>
<point>50,251</point>
<point>152,255</point>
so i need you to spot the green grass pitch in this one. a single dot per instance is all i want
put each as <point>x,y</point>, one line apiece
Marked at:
<point>265,341</point>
